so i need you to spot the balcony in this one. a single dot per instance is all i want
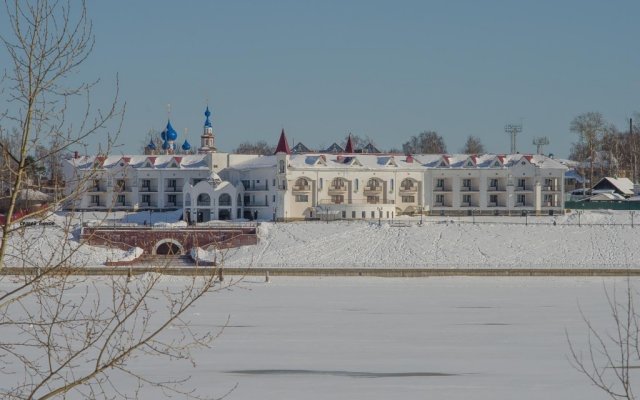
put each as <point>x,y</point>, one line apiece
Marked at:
<point>148,189</point>
<point>172,189</point>
<point>441,189</point>
<point>256,204</point>
<point>408,189</point>
<point>302,188</point>
<point>173,204</point>
<point>465,204</point>
<point>96,204</point>
<point>97,189</point>
<point>256,188</point>
<point>372,189</point>
<point>122,188</point>
<point>519,204</point>
<point>337,189</point>
<point>492,204</point>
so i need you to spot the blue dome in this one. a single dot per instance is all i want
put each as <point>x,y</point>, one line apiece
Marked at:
<point>165,145</point>
<point>207,122</point>
<point>171,135</point>
<point>186,146</point>
<point>151,145</point>
<point>163,135</point>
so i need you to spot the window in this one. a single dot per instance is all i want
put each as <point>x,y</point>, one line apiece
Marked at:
<point>344,214</point>
<point>440,183</point>
<point>440,199</point>
<point>95,200</point>
<point>120,199</point>
<point>273,183</point>
<point>337,183</point>
<point>466,183</point>
<point>281,166</point>
<point>521,183</point>
<point>406,184</point>
<point>548,200</point>
<point>493,183</point>
<point>320,184</point>
<point>373,183</point>
<point>353,214</point>
<point>274,198</point>
<point>120,184</point>
<point>373,199</point>
<point>171,199</point>
<point>548,183</point>
<point>146,199</point>
<point>364,214</point>
<point>466,198</point>
<point>357,183</point>
<point>146,184</point>
<point>373,214</point>
<point>302,198</point>
<point>493,198</point>
<point>496,164</point>
<point>469,163</point>
<point>521,199</point>
<point>224,200</point>
<point>408,199</point>
<point>337,199</point>
<point>391,186</point>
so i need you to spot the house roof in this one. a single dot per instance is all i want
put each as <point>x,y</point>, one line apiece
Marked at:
<point>623,185</point>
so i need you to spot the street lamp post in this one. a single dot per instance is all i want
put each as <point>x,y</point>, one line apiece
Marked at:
<point>632,214</point>
<point>473,216</point>
<point>379,216</point>
<point>421,211</point>
<point>579,214</point>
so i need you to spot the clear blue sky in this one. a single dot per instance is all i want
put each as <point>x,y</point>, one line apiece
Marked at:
<point>386,69</point>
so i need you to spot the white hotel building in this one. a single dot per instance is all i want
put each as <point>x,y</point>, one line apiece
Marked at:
<point>285,186</point>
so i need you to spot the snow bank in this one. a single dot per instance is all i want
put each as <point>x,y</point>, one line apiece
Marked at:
<point>200,254</point>
<point>179,224</point>
<point>130,255</point>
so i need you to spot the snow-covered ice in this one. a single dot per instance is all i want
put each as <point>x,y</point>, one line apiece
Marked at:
<point>383,338</point>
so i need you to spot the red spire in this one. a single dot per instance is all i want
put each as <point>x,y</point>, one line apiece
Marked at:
<point>349,147</point>
<point>283,146</point>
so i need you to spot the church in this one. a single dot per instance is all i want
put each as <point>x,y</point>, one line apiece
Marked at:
<point>297,184</point>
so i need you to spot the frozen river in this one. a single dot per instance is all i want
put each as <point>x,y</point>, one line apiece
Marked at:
<point>376,338</point>
<point>383,338</point>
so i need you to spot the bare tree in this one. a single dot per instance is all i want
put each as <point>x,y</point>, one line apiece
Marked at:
<point>473,145</point>
<point>611,354</point>
<point>427,142</point>
<point>260,147</point>
<point>590,128</point>
<point>61,334</point>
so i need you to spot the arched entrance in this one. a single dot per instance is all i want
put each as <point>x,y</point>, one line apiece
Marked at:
<point>168,247</point>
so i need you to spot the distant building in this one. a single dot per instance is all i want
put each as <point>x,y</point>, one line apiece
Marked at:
<point>295,184</point>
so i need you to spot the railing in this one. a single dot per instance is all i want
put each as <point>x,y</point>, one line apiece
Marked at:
<point>256,204</point>
<point>96,205</point>
<point>301,188</point>
<point>441,189</point>
<point>492,204</point>
<point>256,188</point>
<point>172,189</point>
<point>355,202</point>
<point>374,189</point>
<point>224,203</point>
<point>203,204</point>
<point>97,189</point>
<point>465,204</point>
<point>148,189</point>
<point>408,189</point>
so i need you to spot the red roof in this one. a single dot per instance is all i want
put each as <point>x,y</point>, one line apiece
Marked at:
<point>283,146</point>
<point>528,157</point>
<point>178,159</point>
<point>349,147</point>
<point>126,159</point>
<point>152,160</point>
<point>409,159</point>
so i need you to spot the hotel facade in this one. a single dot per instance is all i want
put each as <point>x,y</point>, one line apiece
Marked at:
<point>342,184</point>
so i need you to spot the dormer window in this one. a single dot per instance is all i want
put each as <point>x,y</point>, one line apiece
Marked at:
<point>281,167</point>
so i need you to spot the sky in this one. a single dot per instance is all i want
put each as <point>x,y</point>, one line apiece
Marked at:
<point>383,69</point>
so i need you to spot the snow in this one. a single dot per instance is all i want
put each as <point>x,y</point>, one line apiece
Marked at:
<point>604,239</point>
<point>589,239</point>
<point>200,254</point>
<point>130,255</point>
<point>385,338</point>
